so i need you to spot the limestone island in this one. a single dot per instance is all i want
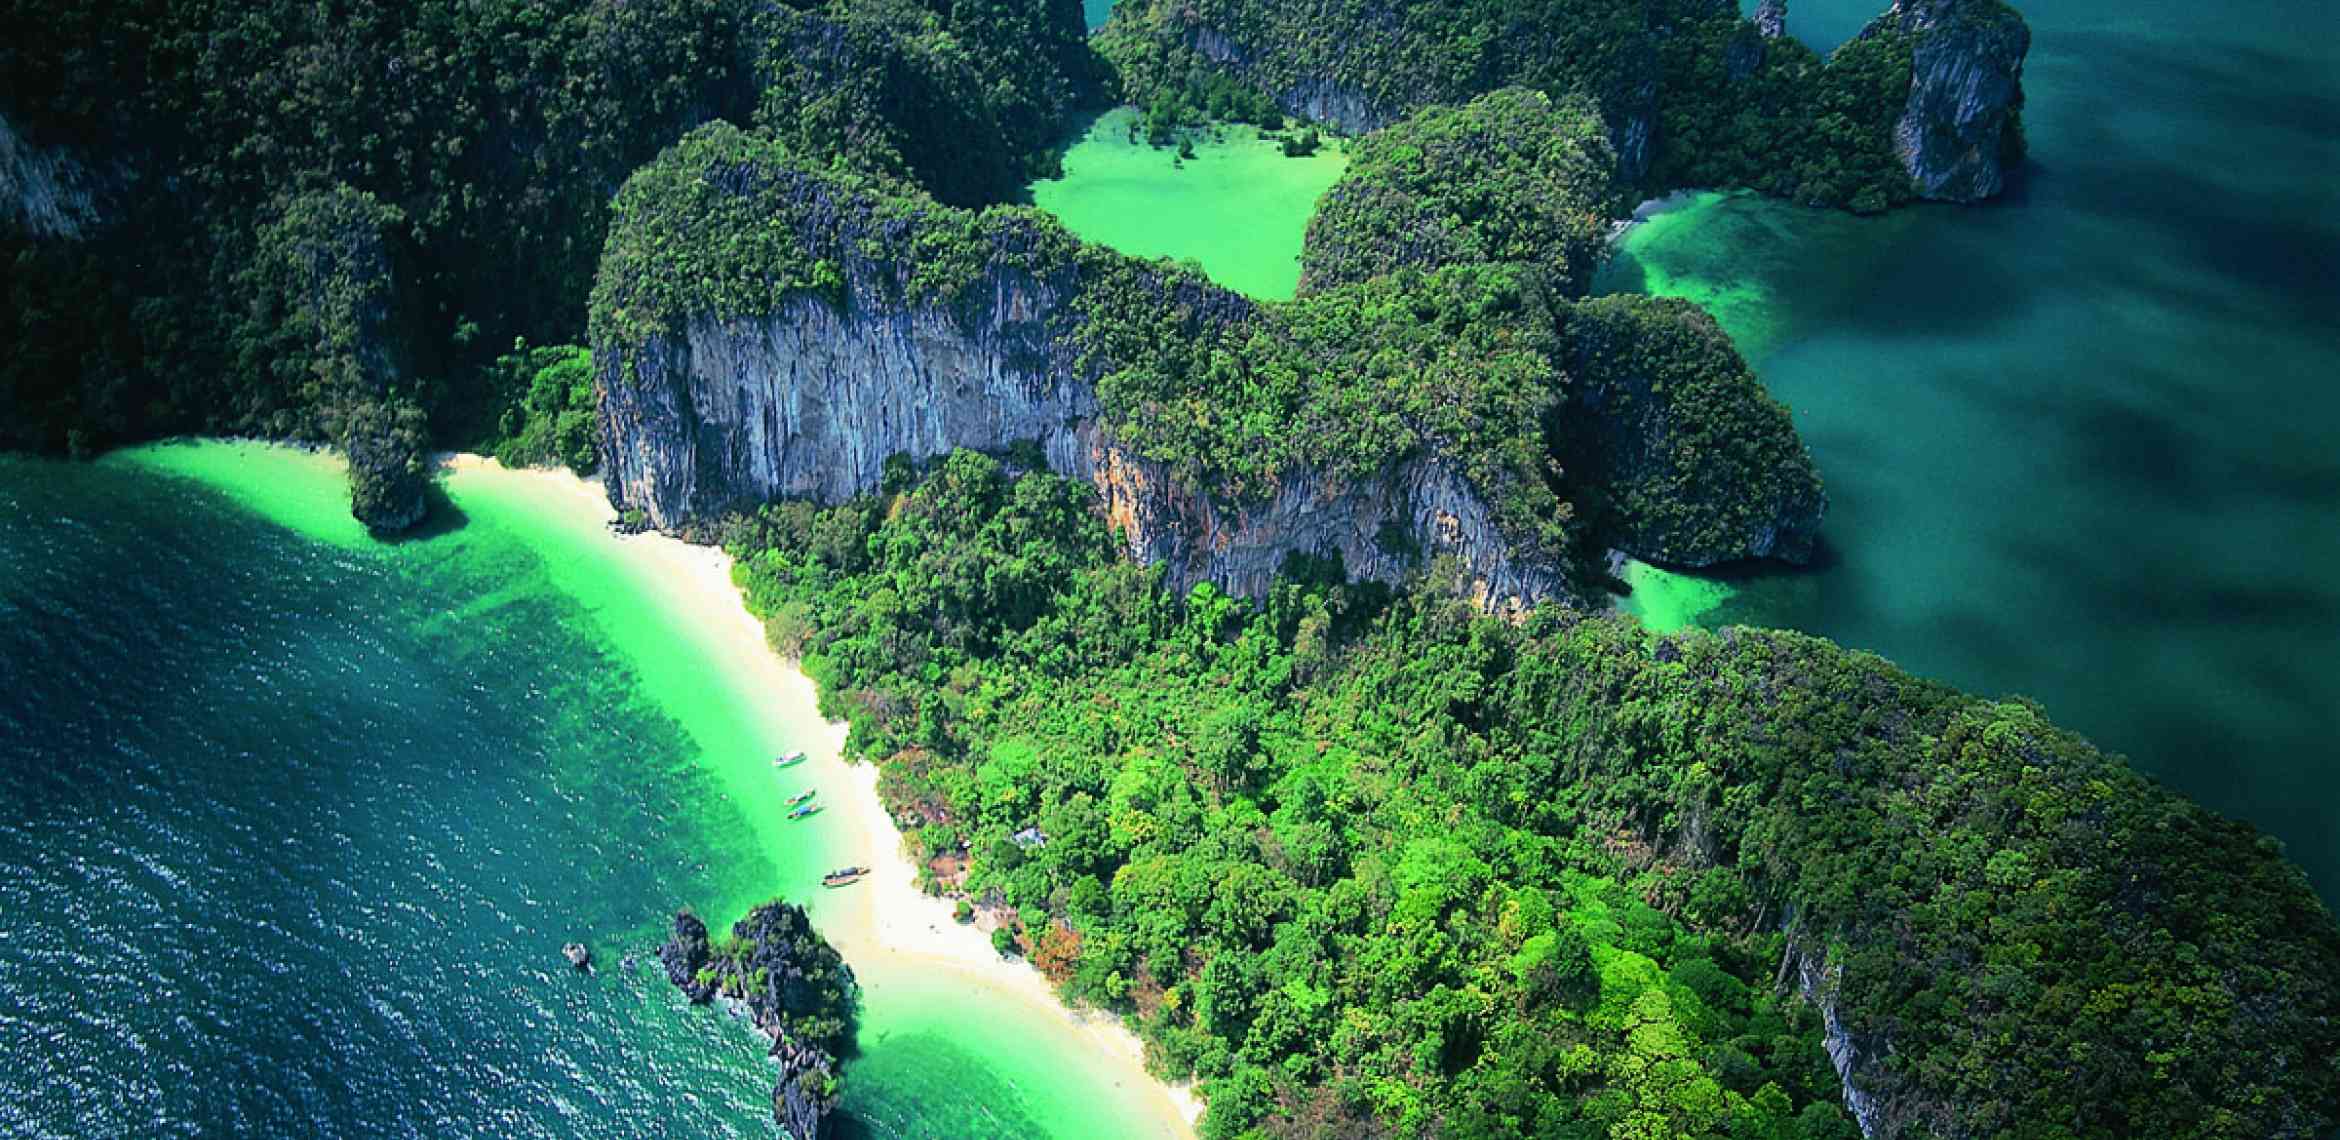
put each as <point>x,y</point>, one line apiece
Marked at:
<point>793,988</point>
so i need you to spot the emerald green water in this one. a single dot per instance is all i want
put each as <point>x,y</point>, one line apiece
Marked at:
<point>294,824</point>
<point>1239,207</point>
<point>2082,444</point>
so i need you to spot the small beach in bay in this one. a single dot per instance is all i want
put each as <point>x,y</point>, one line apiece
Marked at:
<point>597,719</point>
<point>894,935</point>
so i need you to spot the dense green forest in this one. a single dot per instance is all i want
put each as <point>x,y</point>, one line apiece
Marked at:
<point>1692,95</point>
<point>1509,177</point>
<point>1374,863</point>
<point>488,136</point>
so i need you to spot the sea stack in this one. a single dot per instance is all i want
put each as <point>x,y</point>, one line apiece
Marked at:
<point>794,989</point>
<point>1963,125</point>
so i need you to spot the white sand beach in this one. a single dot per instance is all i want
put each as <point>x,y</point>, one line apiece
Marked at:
<point>884,925</point>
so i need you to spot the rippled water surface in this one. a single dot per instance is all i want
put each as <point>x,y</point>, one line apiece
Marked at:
<point>293,824</point>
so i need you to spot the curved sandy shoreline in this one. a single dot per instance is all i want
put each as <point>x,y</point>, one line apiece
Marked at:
<point>888,924</point>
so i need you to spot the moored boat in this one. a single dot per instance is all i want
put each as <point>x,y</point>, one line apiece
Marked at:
<point>806,810</point>
<point>796,757</point>
<point>802,796</point>
<point>843,876</point>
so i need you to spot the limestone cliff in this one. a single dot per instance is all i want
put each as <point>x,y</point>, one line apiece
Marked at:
<point>766,331</point>
<point>1962,127</point>
<point>45,192</point>
<point>812,399</point>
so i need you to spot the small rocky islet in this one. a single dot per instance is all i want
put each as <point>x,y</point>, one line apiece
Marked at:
<point>791,985</point>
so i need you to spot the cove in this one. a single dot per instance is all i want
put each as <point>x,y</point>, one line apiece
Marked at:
<point>1239,207</point>
<point>2081,444</point>
<point>308,815</point>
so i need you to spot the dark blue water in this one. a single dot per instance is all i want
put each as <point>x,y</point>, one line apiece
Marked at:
<point>290,835</point>
<point>293,826</point>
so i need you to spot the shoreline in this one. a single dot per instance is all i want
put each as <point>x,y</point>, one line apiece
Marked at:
<point>886,925</point>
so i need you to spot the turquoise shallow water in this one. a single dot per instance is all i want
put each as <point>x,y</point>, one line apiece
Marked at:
<point>2084,444</point>
<point>293,824</point>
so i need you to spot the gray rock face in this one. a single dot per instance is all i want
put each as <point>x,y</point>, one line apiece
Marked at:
<point>1965,94</point>
<point>1771,19</point>
<point>811,400</point>
<point>44,192</point>
<point>1816,981</point>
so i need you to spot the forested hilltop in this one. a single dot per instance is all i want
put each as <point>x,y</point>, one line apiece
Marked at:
<point>324,221</point>
<point>1927,101</point>
<point>1373,863</point>
<point>331,222</point>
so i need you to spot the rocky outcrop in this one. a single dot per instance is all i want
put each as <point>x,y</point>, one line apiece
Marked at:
<point>1771,19</point>
<point>325,272</point>
<point>793,988</point>
<point>812,400</point>
<point>918,330</point>
<point>1697,463</point>
<point>1962,126</point>
<point>44,192</point>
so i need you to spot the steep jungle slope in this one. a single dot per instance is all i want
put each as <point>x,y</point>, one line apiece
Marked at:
<point>1374,864</point>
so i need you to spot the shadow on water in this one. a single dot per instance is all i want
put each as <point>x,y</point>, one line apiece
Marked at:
<point>441,517</point>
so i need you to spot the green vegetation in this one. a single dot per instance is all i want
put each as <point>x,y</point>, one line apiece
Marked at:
<point>1689,456</point>
<point>1467,362</point>
<point>1818,132</point>
<point>1205,98</point>
<point>488,128</point>
<point>1370,863</point>
<point>548,400</point>
<point>1508,177</point>
<point>321,324</point>
<point>490,134</point>
<point>966,99</point>
<point>1692,96</point>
